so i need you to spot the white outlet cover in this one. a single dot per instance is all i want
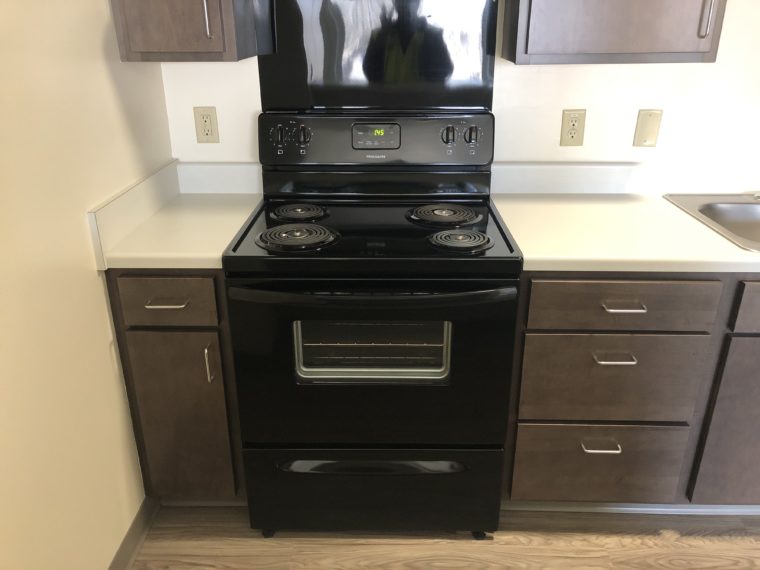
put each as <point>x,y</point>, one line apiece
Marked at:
<point>206,125</point>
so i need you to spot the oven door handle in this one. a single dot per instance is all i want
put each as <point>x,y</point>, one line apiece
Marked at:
<point>376,299</point>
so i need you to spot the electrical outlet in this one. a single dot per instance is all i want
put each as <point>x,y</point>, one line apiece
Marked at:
<point>647,127</point>
<point>573,127</point>
<point>206,125</point>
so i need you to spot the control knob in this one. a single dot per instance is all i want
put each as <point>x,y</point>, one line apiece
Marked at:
<point>304,135</point>
<point>449,135</point>
<point>471,135</point>
<point>279,134</point>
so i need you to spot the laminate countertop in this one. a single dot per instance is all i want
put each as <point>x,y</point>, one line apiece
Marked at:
<point>556,232</point>
<point>190,232</point>
<point>616,232</point>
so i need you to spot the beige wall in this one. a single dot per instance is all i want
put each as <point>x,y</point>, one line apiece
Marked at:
<point>76,125</point>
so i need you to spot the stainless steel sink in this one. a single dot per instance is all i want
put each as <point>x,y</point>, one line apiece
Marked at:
<point>734,216</point>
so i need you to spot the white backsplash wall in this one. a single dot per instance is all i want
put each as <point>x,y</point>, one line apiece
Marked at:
<point>707,142</point>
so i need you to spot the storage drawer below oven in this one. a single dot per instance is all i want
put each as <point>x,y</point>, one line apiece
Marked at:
<point>329,489</point>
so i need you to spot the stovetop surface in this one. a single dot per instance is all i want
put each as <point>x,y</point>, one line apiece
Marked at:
<point>371,236</point>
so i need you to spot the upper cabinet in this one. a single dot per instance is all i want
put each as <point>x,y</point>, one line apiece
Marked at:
<point>612,31</point>
<point>192,30</point>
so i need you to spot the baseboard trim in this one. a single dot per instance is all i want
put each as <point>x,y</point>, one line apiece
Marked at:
<point>631,508</point>
<point>133,539</point>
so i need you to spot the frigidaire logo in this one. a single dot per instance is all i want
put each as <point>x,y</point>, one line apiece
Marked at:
<point>380,156</point>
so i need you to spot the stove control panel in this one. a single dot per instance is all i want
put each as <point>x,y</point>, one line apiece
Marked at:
<point>435,140</point>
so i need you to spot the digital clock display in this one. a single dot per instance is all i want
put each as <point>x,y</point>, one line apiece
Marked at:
<point>376,137</point>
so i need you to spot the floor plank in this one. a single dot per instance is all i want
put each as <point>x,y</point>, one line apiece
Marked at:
<point>219,538</point>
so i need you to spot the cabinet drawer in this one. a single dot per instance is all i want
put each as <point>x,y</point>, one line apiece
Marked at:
<point>168,301</point>
<point>618,377</point>
<point>624,464</point>
<point>748,317</point>
<point>624,305</point>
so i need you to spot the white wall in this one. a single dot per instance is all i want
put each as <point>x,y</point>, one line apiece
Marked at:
<point>77,126</point>
<point>695,150</point>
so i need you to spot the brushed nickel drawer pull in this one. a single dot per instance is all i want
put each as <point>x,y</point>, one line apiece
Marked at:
<point>617,451</point>
<point>150,306</point>
<point>632,362</point>
<point>209,376</point>
<point>708,28</point>
<point>640,311</point>
<point>206,18</point>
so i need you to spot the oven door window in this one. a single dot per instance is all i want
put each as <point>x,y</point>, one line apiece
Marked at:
<point>360,352</point>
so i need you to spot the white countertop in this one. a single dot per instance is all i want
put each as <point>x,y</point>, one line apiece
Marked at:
<point>616,232</point>
<point>185,215</point>
<point>190,232</point>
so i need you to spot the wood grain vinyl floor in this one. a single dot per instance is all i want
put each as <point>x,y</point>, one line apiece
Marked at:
<point>219,538</point>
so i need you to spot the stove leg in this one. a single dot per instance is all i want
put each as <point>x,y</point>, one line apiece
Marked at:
<point>481,535</point>
<point>268,532</point>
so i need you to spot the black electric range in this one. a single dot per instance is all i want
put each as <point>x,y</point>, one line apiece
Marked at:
<point>372,307</point>
<point>366,237</point>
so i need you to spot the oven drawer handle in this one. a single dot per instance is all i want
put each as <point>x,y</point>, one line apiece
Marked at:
<point>368,467</point>
<point>315,298</point>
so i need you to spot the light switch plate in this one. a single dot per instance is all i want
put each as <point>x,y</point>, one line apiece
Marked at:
<point>647,127</point>
<point>573,127</point>
<point>206,125</point>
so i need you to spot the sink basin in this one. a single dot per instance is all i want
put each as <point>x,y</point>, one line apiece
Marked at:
<point>734,216</point>
<point>740,219</point>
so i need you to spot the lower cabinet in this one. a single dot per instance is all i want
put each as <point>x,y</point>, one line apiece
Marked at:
<point>171,329</point>
<point>180,404</point>
<point>623,464</point>
<point>615,376</point>
<point>729,471</point>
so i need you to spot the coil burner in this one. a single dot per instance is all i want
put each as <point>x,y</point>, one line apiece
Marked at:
<point>291,238</point>
<point>299,213</point>
<point>463,241</point>
<point>444,215</point>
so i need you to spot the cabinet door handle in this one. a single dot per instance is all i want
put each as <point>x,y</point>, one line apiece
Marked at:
<point>209,376</point>
<point>632,362</point>
<point>206,20</point>
<point>617,451</point>
<point>707,27</point>
<point>150,306</point>
<point>640,311</point>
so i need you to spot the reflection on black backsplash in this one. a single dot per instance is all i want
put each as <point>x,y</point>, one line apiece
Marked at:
<point>373,53</point>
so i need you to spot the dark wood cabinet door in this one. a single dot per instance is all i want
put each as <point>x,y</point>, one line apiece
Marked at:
<point>173,25</point>
<point>180,401</point>
<point>729,472</point>
<point>590,31</point>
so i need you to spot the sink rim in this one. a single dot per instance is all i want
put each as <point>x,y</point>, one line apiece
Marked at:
<point>693,205</point>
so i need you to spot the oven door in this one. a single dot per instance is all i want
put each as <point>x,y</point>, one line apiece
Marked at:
<point>367,362</point>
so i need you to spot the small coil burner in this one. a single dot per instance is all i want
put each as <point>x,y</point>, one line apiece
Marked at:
<point>290,238</point>
<point>462,241</point>
<point>444,215</point>
<point>299,213</point>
